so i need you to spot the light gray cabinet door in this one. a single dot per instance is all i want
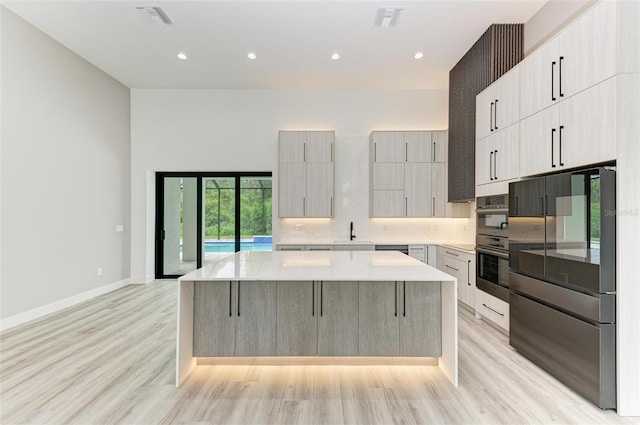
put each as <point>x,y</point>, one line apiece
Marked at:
<point>420,320</point>
<point>293,189</point>
<point>388,146</point>
<point>338,321</point>
<point>440,146</point>
<point>418,146</point>
<point>213,320</point>
<point>291,146</point>
<point>388,203</point>
<point>388,176</point>
<point>319,193</point>
<point>438,178</point>
<point>319,146</point>
<point>417,189</point>
<point>297,322</point>
<point>256,319</point>
<point>378,320</point>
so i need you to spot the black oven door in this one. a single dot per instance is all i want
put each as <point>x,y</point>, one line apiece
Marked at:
<point>493,272</point>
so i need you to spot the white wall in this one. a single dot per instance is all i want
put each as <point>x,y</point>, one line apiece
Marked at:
<point>550,19</point>
<point>237,130</point>
<point>65,170</point>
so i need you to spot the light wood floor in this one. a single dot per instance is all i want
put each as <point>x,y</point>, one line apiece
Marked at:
<point>112,360</point>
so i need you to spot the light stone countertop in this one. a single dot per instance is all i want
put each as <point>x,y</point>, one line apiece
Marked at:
<point>318,265</point>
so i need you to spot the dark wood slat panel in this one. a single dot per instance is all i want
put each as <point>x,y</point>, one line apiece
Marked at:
<point>493,54</point>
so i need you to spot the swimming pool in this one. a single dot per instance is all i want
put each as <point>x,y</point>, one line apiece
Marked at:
<point>229,246</point>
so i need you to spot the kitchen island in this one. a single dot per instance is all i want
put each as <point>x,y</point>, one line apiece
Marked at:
<point>339,306</point>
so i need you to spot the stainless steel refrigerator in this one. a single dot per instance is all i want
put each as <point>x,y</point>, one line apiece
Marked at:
<point>562,254</point>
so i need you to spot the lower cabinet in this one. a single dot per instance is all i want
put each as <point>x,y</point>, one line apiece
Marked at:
<point>234,319</point>
<point>400,319</point>
<point>378,319</point>
<point>297,322</point>
<point>309,318</point>
<point>492,309</point>
<point>338,320</point>
<point>461,265</point>
<point>256,319</point>
<point>420,318</point>
<point>214,321</point>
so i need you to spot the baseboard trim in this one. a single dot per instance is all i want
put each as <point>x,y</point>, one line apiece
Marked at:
<point>141,280</point>
<point>39,312</point>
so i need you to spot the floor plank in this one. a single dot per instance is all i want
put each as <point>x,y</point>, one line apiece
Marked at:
<point>111,360</point>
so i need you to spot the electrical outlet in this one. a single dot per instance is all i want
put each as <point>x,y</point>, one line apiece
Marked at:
<point>99,272</point>
<point>298,227</point>
<point>119,228</point>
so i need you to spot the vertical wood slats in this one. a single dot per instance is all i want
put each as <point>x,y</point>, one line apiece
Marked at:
<point>493,54</point>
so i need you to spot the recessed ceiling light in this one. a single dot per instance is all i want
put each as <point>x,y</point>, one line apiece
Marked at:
<point>182,56</point>
<point>418,55</point>
<point>335,56</point>
<point>251,55</point>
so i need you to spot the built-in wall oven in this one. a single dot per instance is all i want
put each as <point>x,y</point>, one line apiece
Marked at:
<point>492,245</point>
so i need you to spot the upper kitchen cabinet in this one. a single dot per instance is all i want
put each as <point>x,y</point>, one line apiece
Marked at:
<point>577,132</point>
<point>440,143</point>
<point>306,173</point>
<point>579,57</point>
<point>498,157</point>
<point>498,106</point>
<point>408,146</point>
<point>408,175</point>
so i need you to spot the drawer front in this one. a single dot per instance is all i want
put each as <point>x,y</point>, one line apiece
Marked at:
<point>493,309</point>
<point>456,268</point>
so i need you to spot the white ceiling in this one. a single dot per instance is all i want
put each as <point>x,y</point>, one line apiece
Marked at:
<point>292,39</point>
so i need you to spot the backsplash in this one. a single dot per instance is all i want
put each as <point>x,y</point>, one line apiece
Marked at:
<point>352,204</point>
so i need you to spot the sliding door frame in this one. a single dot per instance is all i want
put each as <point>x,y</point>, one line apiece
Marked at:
<point>159,219</point>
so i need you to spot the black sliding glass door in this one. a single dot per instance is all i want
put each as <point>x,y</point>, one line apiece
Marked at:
<point>201,215</point>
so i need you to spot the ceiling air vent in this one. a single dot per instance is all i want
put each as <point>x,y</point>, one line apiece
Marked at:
<point>155,15</point>
<point>387,17</point>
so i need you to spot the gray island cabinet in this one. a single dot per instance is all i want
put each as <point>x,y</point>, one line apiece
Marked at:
<point>318,306</point>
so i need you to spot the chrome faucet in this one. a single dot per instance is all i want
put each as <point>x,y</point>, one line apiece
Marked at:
<point>351,235</point>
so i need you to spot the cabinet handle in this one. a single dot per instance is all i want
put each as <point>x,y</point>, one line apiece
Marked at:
<point>495,115</point>
<point>546,203</point>
<point>560,77</point>
<point>304,152</point>
<point>491,165</point>
<point>304,207</point>
<point>560,144</point>
<point>553,65</point>
<point>468,271</point>
<point>375,152</point>
<point>541,206</point>
<point>406,153</point>
<point>406,208</point>
<point>434,151</point>
<point>452,268</point>
<point>433,207</point>
<point>313,298</point>
<point>497,312</point>
<point>404,299</point>
<point>495,167</point>
<point>230,301</point>
<point>321,297</point>
<point>238,298</point>
<point>553,163</point>
<point>395,313</point>
<point>491,117</point>
<point>452,253</point>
